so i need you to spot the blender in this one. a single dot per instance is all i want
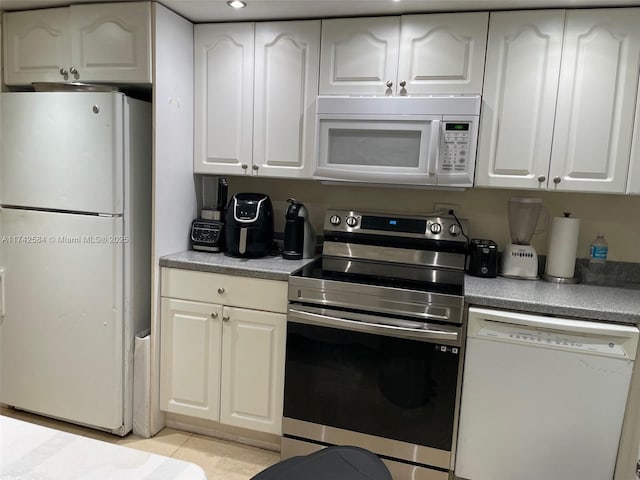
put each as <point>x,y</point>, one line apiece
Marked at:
<point>519,258</point>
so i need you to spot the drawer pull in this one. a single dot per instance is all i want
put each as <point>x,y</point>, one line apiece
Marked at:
<point>220,290</point>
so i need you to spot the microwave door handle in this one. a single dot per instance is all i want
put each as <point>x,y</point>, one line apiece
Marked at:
<point>434,147</point>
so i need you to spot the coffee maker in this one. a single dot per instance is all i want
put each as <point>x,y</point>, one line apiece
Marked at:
<point>299,237</point>
<point>519,258</point>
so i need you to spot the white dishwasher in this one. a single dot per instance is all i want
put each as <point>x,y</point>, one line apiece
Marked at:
<point>542,397</point>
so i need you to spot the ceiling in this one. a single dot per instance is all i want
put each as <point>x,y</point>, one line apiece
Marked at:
<point>199,11</point>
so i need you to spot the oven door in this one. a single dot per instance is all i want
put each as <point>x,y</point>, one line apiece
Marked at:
<point>378,148</point>
<point>389,385</point>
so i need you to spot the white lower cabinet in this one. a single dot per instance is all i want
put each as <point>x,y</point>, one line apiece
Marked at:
<point>223,362</point>
<point>253,344</point>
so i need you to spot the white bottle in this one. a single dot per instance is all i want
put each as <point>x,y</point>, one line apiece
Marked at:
<point>598,250</point>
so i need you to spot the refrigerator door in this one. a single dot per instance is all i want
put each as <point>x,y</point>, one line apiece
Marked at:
<point>62,151</point>
<point>61,338</point>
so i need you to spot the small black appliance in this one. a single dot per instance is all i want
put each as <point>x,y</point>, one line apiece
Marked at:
<point>207,232</point>
<point>299,238</point>
<point>249,225</point>
<point>483,258</point>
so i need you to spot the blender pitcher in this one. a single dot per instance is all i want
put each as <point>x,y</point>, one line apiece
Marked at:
<point>523,217</point>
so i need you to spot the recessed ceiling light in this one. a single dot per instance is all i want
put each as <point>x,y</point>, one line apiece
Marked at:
<point>236,4</point>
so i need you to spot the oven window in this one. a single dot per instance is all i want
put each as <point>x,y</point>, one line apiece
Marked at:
<point>384,386</point>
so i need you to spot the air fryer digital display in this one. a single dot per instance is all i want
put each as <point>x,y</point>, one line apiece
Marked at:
<point>247,211</point>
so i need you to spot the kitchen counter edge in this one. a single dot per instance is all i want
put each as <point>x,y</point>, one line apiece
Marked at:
<point>593,302</point>
<point>268,268</point>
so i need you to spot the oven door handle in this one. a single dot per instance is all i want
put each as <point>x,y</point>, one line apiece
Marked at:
<point>421,334</point>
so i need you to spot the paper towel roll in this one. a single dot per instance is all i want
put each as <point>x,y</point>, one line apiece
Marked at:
<point>563,245</point>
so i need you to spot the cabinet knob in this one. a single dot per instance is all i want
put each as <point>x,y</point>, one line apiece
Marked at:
<point>256,167</point>
<point>221,290</point>
<point>63,72</point>
<point>226,318</point>
<point>389,84</point>
<point>214,315</point>
<point>403,84</point>
<point>542,179</point>
<point>244,166</point>
<point>73,71</point>
<point>557,180</point>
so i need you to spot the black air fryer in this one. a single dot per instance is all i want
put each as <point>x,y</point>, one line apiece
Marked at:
<point>249,225</point>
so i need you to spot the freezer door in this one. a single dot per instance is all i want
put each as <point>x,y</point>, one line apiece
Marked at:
<point>63,151</point>
<point>61,338</point>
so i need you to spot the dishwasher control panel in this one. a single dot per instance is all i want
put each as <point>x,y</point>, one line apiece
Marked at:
<point>540,337</point>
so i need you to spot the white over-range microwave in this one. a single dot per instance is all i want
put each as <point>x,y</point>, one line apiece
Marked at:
<point>397,140</point>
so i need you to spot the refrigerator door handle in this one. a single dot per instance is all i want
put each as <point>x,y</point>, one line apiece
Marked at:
<point>1,292</point>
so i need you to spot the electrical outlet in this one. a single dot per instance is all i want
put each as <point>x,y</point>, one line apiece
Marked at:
<point>445,207</point>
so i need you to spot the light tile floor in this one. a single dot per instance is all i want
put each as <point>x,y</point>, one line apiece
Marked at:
<point>220,459</point>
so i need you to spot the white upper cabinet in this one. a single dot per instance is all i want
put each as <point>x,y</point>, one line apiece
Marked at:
<point>256,86</point>
<point>519,99</point>
<point>286,87</point>
<point>224,98</point>
<point>37,46</point>
<point>111,42</point>
<point>633,182</point>
<point>409,55</point>
<point>442,53</point>
<point>559,100</point>
<point>81,43</point>
<point>596,101</point>
<point>359,56</point>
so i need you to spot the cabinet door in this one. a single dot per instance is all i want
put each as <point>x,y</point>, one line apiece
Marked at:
<point>223,98</point>
<point>37,46</point>
<point>253,349</point>
<point>596,101</point>
<point>286,87</point>
<point>111,42</point>
<point>191,345</point>
<point>442,53</point>
<point>519,99</point>
<point>359,55</point>
<point>633,182</point>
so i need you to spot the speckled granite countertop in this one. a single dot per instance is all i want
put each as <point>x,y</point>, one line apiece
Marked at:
<point>612,304</point>
<point>269,268</point>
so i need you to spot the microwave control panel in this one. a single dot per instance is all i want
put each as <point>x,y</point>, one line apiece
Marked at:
<point>455,147</point>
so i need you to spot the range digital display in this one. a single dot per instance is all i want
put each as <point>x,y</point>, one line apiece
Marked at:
<point>394,224</point>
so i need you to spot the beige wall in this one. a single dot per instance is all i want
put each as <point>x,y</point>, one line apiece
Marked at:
<point>617,216</point>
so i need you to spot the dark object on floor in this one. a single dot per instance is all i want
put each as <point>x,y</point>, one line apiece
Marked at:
<point>331,463</point>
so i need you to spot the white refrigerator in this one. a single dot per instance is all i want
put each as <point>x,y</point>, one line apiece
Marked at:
<point>75,234</point>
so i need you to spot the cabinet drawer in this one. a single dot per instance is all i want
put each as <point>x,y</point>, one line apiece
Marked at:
<point>232,290</point>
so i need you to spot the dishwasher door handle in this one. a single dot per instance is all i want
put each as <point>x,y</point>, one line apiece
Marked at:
<point>420,334</point>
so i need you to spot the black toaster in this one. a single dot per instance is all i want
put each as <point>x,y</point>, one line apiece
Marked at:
<point>483,258</point>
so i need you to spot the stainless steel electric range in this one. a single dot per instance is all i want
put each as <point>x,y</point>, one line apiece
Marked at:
<point>375,339</point>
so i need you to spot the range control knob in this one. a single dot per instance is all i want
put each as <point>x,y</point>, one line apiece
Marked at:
<point>435,228</point>
<point>334,220</point>
<point>352,221</point>
<point>454,230</point>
